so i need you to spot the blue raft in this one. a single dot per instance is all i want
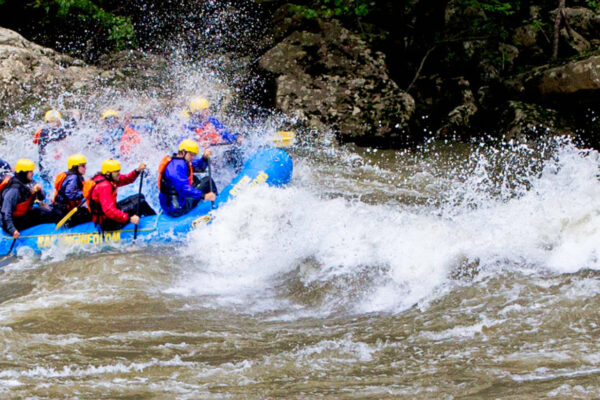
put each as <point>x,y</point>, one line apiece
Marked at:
<point>271,166</point>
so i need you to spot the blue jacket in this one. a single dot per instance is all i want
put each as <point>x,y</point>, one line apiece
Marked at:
<point>71,190</point>
<point>5,169</point>
<point>190,128</point>
<point>176,189</point>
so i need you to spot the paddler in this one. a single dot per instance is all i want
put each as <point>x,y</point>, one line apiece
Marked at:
<point>101,195</point>
<point>18,197</point>
<point>121,134</point>
<point>55,130</point>
<point>207,130</point>
<point>68,191</point>
<point>180,190</point>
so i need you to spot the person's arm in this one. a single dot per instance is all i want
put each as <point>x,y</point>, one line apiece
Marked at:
<point>11,198</point>
<point>72,191</point>
<point>108,204</point>
<point>199,164</point>
<point>128,179</point>
<point>180,181</point>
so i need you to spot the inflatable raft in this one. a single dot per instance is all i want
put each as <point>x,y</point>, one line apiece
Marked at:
<point>270,166</point>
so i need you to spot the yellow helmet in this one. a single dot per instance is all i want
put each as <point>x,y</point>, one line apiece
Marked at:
<point>198,104</point>
<point>110,113</point>
<point>75,160</point>
<point>189,145</point>
<point>24,165</point>
<point>110,165</point>
<point>52,116</point>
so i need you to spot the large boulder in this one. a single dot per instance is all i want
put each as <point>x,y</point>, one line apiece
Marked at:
<point>583,20</point>
<point>573,77</point>
<point>31,73</point>
<point>331,79</point>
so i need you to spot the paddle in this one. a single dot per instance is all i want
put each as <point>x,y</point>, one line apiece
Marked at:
<point>212,202</point>
<point>9,257</point>
<point>66,218</point>
<point>284,138</point>
<point>137,212</point>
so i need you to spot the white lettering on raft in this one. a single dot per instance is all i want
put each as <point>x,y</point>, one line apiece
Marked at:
<point>246,181</point>
<point>78,238</point>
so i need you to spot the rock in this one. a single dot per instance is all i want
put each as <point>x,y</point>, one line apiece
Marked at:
<point>331,79</point>
<point>577,43</point>
<point>570,78</point>
<point>459,119</point>
<point>31,73</point>
<point>526,36</point>
<point>134,63</point>
<point>523,120</point>
<point>583,20</point>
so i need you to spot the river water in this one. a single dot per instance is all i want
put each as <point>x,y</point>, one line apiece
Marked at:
<point>451,271</point>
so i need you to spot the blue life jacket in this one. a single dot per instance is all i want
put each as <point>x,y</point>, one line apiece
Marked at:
<point>176,190</point>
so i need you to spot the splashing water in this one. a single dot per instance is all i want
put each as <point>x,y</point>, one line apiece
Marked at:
<point>378,273</point>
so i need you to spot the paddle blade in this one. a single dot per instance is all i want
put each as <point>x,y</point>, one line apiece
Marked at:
<point>65,219</point>
<point>5,260</point>
<point>284,138</point>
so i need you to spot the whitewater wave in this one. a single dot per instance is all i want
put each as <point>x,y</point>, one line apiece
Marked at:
<point>369,258</point>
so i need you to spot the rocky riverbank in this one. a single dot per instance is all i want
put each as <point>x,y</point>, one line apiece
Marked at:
<point>469,69</point>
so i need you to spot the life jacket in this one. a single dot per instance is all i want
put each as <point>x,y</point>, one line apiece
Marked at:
<point>24,192</point>
<point>206,133</point>
<point>162,186</point>
<point>37,135</point>
<point>94,206</point>
<point>43,136</point>
<point>58,184</point>
<point>129,139</point>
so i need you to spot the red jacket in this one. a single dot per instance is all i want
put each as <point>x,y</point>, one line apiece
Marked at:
<point>105,194</point>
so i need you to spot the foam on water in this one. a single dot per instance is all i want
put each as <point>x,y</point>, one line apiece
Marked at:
<point>269,233</point>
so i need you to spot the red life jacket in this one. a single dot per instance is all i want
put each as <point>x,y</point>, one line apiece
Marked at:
<point>161,170</point>
<point>58,184</point>
<point>207,134</point>
<point>23,206</point>
<point>129,139</point>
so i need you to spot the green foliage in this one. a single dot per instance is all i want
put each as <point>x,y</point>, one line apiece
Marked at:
<point>335,8</point>
<point>594,5</point>
<point>490,23</point>
<point>120,30</point>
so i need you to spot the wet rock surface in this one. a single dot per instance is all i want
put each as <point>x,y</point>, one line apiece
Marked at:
<point>331,79</point>
<point>31,73</point>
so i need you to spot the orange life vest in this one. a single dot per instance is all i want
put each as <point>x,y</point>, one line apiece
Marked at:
<point>129,139</point>
<point>88,187</point>
<point>94,207</point>
<point>163,166</point>
<point>58,183</point>
<point>36,136</point>
<point>207,134</point>
<point>23,206</point>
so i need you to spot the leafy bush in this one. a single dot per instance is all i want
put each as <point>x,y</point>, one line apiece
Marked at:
<point>119,28</point>
<point>335,8</point>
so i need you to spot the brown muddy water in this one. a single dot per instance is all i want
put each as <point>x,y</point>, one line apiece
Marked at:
<point>452,272</point>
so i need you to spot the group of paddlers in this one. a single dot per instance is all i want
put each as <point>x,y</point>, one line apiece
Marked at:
<point>22,202</point>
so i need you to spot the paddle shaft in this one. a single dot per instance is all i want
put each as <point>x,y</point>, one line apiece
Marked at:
<point>137,212</point>
<point>68,216</point>
<point>12,246</point>
<point>210,185</point>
